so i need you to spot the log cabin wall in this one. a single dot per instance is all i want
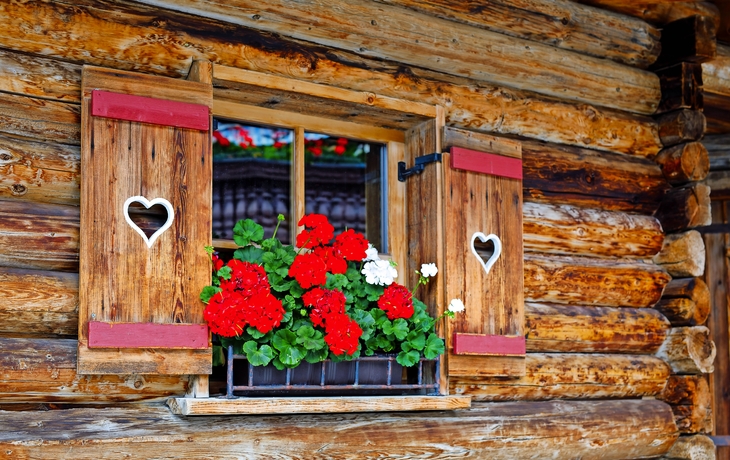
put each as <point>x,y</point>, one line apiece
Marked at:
<point>614,303</point>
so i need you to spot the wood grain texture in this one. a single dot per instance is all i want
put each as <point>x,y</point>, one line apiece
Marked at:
<point>44,370</point>
<point>40,119</point>
<point>39,236</point>
<point>694,290</point>
<point>568,429</point>
<point>681,87</point>
<point>591,281</point>
<point>684,163</point>
<point>40,77</point>
<point>691,401</point>
<point>578,329</point>
<point>681,126</point>
<point>572,230</point>
<point>559,23</point>
<point>571,376</point>
<point>38,302</point>
<point>683,254</point>
<point>658,12</point>
<point>692,447</point>
<point>391,33</point>
<point>689,350</point>
<point>103,33</point>
<point>128,159</point>
<point>685,207</point>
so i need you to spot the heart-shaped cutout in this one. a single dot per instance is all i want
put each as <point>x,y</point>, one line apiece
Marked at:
<point>149,204</point>
<point>494,239</point>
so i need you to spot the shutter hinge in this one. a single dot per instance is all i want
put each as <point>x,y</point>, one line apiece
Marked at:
<point>421,163</point>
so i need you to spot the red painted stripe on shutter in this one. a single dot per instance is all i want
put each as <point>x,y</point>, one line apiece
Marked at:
<point>481,344</point>
<point>487,163</point>
<point>147,335</point>
<point>149,110</point>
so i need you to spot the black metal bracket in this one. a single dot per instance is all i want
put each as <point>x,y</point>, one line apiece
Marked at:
<point>417,168</point>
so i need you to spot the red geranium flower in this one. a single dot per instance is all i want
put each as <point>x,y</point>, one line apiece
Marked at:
<point>351,245</point>
<point>222,140</point>
<point>342,334</point>
<point>263,311</point>
<point>325,303</point>
<point>309,270</point>
<point>317,231</point>
<point>336,264</point>
<point>247,278</point>
<point>217,263</point>
<point>223,314</point>
<point>396,302</point>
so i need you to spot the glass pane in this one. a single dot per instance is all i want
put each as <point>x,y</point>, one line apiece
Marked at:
<point>251,177</point>
<point>344,180</point>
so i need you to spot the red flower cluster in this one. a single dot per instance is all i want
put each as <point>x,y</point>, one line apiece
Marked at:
<point>396,302</point>
<point>342,334</point>
<point>317,231</point>
<point>245,299</point>
<point>351,245</point>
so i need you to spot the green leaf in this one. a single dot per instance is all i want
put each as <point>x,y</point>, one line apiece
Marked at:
<point>373,292</point>
<point>291,356</point>
<point>434,347</point>
<point>219,356</point>
<point>366,322</point>
<point>398,328</point>
<point>258,356</point>
<point>317,356</point>
<point>310,338</point>
<point>225,272</point>
<point>283,339</point>
<point>338,281</point>
<point>254,333</point>
<point>416,340</point>
<point>246,232</point>
<point>408,359</point>
<point>249,254</point>
<point>208,292</point>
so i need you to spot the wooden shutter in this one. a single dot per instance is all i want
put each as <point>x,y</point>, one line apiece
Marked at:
<point>144,139</point>
<point>475,190</point>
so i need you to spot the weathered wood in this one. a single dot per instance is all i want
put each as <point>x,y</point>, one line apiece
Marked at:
<point>39,171</point>
<point>559,23</point>
<point>690,39</point>
<point>683,254</point>
<point>689,350</point>
<point>658,12</point>
<point>39,236</point>
<point>681,87</point>
<point>40,119</point>
<point>719,184</point>
<point>717,112</point>
<point>576,329</point>
<point>558,174</point>
<point>691,313</point>
<point>565,229</point>
<point>694,447</point>
<point>482,107</point>
<point>684,163</point>
<point>39,77</point>
<point>314,405</point>
<point>685,207</point>
<point>571,376</point>
<point>681,126</point>
<point>691,401</point>
<point>718,151</point>
<point>44,370</point>
<point>716,72</point>
<point>567,429</point>
<point>361,27</point>
<point>37,302</point>
<point>591,281</point>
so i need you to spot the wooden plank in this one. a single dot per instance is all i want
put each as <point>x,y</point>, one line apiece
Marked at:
<point>457,137</point>
<point>314,405</point>
<point>147,335</point>
<point>437,45</point>
<point>496,345</point>
<point>591,281</point>
<point>571,376</point>
<point>156,111</point>
<point>484,108</point>
<point>608,430</point>
<point>486,163</point>
<point>718,150</point>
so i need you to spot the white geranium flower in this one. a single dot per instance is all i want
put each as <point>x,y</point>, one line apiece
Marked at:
<point>379,272</point>
<point>428,270</point>
<point>456,306</point>
<point>371,253</point>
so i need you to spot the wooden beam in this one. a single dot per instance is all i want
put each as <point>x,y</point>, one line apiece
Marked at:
<point>681,126</point>
<point>694,311</point>
<point>690,39</point>
<point>591,281</point>
<point>685,207</point>
<point>689,350</point>
<point>683,254</point>
<point>576,329</point>
<point>609,430</point>
<point>41,120</point>
<point>658,12</point>
<point>434,43</point>
<point>691,401</point>
<point>684,163</point>
<point>560,23</point>
<point>681,86</point>
<point>718,151</point>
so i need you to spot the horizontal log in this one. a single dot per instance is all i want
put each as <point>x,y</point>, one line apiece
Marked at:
<point>512,430</point>
<point>718,151</point>
<point>689,350</point>
<point>684,163</point>
<point>571,376</point>
<point>44,370</point>
<point>658,12</point>
<point>576,329</point>
<point>565,229</point>
<point>591,281</point>
<point>38,302</point>
<point>39,77</point>
<point>40,119</point>
<point>582,177</point>
<point>717,112</point>
<point>428,42</point>
<point>691,401</point>
<point>559,23</point>
<point>39,236</point>
<point>683,254</point>
<point>681,126</point>
<point>685,207</point>
<point>716,72</point>
<point>694,311</point>
<point>692,447</point>
<point>719,184</point>
<point>690,39</point>
<point>108,35</point>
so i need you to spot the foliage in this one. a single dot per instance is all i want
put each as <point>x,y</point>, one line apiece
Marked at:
<point>333,298</point>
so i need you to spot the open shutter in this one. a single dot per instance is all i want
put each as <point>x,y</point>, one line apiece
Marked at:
<point>474,194</point>
<point>145,148</point>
